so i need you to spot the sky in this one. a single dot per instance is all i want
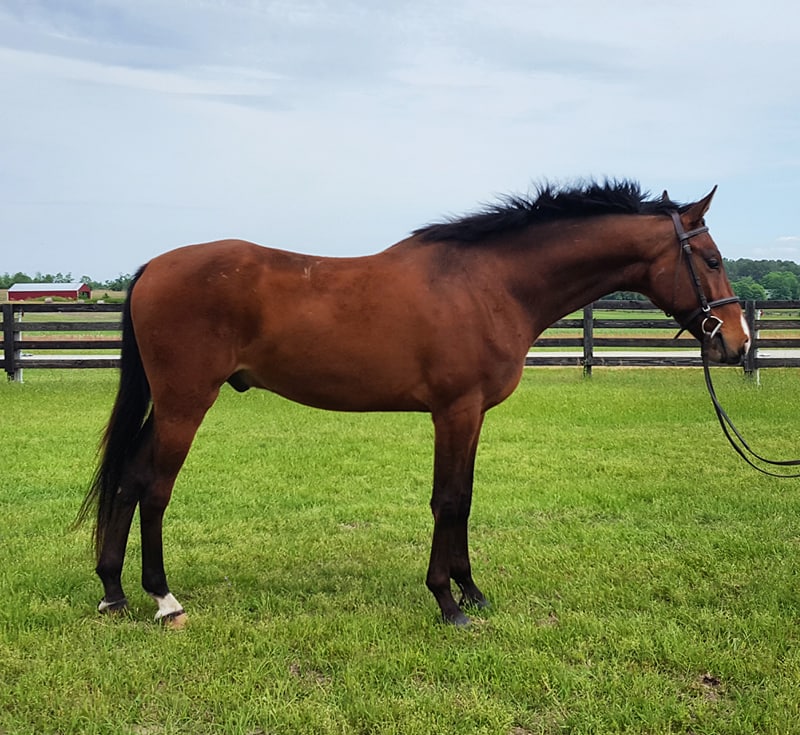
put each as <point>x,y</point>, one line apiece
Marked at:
<point>335,128</point>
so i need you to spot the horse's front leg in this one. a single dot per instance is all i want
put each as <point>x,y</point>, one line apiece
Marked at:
<point>457,434</point>
<point>460,567</point>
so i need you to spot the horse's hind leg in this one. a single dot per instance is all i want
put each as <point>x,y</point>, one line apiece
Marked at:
<point>112,554</point>
<point>172,437</point>
<point>115,537</point>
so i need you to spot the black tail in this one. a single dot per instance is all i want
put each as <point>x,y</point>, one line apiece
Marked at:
<point>124,427</point>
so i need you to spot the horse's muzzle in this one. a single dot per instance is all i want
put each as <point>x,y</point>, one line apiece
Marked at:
<point>720,351</point>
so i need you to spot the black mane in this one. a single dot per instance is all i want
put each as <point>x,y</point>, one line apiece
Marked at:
<point>548,203</point>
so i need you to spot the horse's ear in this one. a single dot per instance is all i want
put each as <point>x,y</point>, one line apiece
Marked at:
<point>665,196</point>
<point>697,211</point>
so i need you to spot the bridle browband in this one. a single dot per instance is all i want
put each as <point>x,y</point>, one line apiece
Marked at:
<point>710,327</point>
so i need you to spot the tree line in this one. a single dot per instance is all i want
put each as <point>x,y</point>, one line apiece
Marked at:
<point>757,280</point>
<point>777,280</point>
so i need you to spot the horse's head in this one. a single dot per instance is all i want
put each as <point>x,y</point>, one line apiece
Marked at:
<point>691,284</point>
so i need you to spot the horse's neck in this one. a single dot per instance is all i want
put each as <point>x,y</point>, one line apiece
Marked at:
<point>567,268</point>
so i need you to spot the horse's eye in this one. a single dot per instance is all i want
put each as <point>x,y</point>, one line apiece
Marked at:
<point>712,263</point>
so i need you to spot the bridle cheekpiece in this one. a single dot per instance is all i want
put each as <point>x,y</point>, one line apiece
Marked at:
<point>711,323</point>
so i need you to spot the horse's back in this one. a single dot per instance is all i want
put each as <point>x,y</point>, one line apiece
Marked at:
<point>317,330</point>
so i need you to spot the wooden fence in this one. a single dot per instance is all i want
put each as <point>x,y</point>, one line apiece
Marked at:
<point>609,333</point>
<point>595,339</point>
<point>60,335</point>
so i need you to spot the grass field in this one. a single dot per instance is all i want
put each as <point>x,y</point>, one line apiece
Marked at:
<point>643,579</point>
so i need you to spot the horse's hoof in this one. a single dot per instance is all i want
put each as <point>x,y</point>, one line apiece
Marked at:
<point>481,604</point>
<point>174,621</point>
<point>459,621</point>
<point>113,608</point>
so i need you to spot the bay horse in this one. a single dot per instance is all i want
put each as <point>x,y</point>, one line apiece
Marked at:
<point>439,322</point>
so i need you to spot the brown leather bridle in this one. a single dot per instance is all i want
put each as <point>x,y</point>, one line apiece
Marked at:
<point>711,323</point>
<point>710,327</point>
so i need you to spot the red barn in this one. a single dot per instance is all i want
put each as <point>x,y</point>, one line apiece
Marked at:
<point>22,291</point>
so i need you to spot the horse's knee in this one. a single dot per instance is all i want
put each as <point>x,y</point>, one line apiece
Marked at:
<point>446,510</point>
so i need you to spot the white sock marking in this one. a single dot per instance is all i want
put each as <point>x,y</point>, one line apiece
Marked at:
<point>167,605</point>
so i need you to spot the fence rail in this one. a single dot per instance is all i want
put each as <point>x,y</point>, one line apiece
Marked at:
<point>609,334</point>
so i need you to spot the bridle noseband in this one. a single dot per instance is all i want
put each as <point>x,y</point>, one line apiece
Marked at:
<point>711,323</point>
<point>710,328</point>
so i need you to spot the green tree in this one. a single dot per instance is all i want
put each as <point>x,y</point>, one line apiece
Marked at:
<point>120,283</point>
<point>757,269</point>
<point>748,290</point>
<point>781,285</point>
<point>8,279</point>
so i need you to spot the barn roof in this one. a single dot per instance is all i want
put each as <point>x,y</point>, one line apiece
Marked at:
<point>54,287</point>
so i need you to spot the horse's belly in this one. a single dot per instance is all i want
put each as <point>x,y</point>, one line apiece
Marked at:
<point>335,390</point>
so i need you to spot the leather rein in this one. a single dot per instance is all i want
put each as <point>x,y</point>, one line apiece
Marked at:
<point>710,327</point>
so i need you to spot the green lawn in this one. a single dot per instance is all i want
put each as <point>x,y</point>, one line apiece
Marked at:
<point>643,578</point>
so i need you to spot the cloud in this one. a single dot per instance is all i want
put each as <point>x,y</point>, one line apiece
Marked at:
<point>339,126</point>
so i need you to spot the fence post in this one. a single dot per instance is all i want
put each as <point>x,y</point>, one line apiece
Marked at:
<point>750,359</point>
<point>9,353</point>
<point>588,339</point>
